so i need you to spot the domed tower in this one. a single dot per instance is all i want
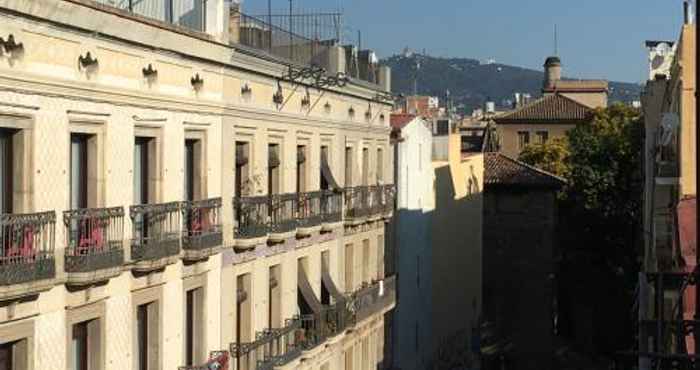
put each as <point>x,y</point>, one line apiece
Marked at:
<point>552,71</point>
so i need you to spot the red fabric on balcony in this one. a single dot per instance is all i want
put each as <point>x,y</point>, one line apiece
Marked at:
<point>687,235</point>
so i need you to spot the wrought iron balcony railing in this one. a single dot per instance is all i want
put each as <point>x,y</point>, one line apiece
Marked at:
<point>251,217</point>
<point>372,299</point>
<point>283,212</point>
<point>94,239</point>
<point>218,360</point>
<point>356,202</point>
<point>388,198</point>
<point>310,214</point>
<point>27,247</point>
<point>156,231</point>
<point>272,347</point>
<point>332,206</point>
<point>201,224</point>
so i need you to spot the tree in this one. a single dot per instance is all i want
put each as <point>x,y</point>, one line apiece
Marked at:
<point>551,156</point>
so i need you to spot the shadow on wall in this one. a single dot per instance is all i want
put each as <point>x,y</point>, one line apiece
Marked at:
<point>412,318</point>
<point>457,262</point>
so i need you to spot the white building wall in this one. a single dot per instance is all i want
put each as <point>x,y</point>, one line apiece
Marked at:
<point>416,198</point>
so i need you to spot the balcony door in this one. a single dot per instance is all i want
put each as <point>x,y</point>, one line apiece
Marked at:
<point>79,171</point>
<point>141,170</point>
<point>6,171</point>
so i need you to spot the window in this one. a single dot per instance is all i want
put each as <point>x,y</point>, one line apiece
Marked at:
<point>301,168</point>
<point>523,139</point>
<point>348,166</point>
<point>365,261</point>
<point>191,14</point>
<point>147,339</point>
<point>242,186</point>
<point>324,162</point>
<point>325,267</point>
<point>365,166</point>
<point>6,171</point>
<point>380,256</point>
<point>273,169</point>
<point>275,298</point>
<point>349,269</point>
<point>243,308</point>
<point>141,169</point>
<point>13,355</point>
<point>190,148</point>
<point>78,171</point>
<point>85,343</point>
<point>380,166</point>
<point>542,137</point>
<point>443,127</point>
<point>194,325</point>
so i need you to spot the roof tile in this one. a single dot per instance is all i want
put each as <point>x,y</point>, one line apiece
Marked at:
<point>500,170</point>
<point>553,108</point>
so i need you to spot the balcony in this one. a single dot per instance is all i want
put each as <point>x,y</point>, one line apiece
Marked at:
<point>388,200</point>
<point>217,360</point>
<point>373,299</point>
<point>332,209</point>
<point>271,348</point>
<point>27,261</point>
<point>156,235</point>
<point>356,204</point>
<point>201,232</point>
<point>94,249</point>
<point>283,216</point>
<point>251,225</point>
<point>310,216</point>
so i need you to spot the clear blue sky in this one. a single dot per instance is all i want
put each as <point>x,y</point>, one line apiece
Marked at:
<point>597,38</point>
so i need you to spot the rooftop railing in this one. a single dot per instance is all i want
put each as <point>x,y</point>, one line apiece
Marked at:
<point>94,239</point>
<point>27,247</point>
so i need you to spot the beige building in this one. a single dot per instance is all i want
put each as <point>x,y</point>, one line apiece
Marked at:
<point>563,105</point>
<point>177,181</point>
<point>669,202</point>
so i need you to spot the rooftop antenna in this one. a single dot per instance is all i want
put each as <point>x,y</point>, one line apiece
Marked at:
<point>556,41</point>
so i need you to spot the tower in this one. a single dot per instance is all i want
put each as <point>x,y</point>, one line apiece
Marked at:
<point>552,71</point>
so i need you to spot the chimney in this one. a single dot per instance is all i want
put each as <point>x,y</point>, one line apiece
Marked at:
<point>687,12</point>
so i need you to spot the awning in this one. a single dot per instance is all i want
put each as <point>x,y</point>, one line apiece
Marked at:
<point>308,293</point>
<point>327,173</point>
<point>273,159</point>
<point>687,233</point>
<point>327,281</point>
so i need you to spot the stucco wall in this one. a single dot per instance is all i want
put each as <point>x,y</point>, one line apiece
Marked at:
<point>508,135</point>
<point>457,250</point>
<point>412,220</point>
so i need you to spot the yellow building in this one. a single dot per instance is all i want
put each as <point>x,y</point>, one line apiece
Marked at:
<point>177,181</point>
<point>538,122</point>
<point>669,200</point>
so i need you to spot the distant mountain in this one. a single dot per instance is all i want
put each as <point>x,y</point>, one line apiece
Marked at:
<point>471,83</point>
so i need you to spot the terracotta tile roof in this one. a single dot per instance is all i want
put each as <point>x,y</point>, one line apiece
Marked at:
<point>399,121</point>
<point>550,109</point>
<point>500,170</point>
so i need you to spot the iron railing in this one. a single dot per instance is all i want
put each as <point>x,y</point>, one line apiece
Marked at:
<point>332,206</point>
<point>260,35</point>
<point>190,14</point>
<point>218,360</point>
<point>356,202</point>
<point>201,224</point>
<point>94,238</point>
<point>375,195</point>
<point>251,217</point>
<point>283,212</point>
<point>27,247</point>
<point>310,214</point>
<point>388,198</point>
<point>271,347</point>
<point>369,300</point>
<point>156,231</point>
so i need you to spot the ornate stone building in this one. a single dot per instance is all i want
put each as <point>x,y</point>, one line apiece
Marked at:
<point>179,178</point>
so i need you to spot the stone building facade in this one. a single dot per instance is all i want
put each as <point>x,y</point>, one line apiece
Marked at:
<point>170,189</point>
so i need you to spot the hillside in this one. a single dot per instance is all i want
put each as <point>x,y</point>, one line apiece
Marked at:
<point>471,83</point>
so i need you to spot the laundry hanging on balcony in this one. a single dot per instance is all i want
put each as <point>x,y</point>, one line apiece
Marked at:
<point>308,293</point>
<point>327,174</point>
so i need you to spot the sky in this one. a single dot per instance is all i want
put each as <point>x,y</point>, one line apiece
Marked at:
<point>597,38</point>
